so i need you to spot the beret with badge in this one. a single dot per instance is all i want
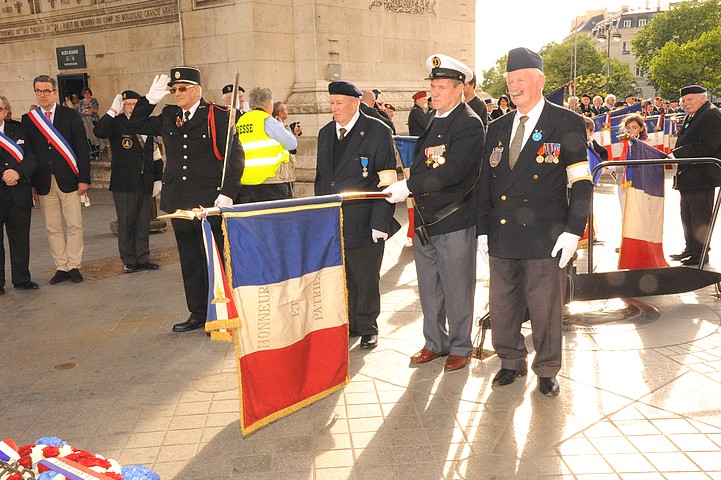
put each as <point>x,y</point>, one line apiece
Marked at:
<point>130,95</point>
<point>443,66</point>
<point>229,88</point>
<point>342,87</point>
<point>184,75</point>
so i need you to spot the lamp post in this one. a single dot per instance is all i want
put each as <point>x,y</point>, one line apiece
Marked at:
<point>604,33</point>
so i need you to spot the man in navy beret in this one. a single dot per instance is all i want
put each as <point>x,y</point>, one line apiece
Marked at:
<point>533,162</point>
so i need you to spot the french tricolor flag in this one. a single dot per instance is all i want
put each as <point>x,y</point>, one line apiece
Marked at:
<point>8,451</point>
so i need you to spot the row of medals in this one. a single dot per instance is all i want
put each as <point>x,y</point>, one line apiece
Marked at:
<point>550,158</point>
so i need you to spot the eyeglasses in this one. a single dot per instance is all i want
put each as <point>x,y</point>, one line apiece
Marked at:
<point>44,92</point>
<point>181,89</point>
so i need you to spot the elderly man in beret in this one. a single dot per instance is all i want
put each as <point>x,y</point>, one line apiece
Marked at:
<point>699,136</point>
<point>444,175</point>
<point>533,205</point>
<point>194,141</point>
<point>134,180</point>
<point>355,153</point>
<point>417,115</point>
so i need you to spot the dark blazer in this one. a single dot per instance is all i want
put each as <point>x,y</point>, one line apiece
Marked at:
<point>480,109</point>
<point>21,193</point>
<point>498,113</point>
<point>372,112</point>
<point>369,138</point>
<point>132,168</point>
<point>699,136</point>
<point>524,210</point>
<point>416,121</point>
<point>462,135</point>
<point>192,173</point>
<point>49,161</point>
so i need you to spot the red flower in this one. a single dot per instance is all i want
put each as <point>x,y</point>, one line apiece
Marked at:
<point>51,452</point>
<point>88,459</point>
<point>15,476</point>
<point>25,449</point>
<point>112,475</point>
<point>25,461</point>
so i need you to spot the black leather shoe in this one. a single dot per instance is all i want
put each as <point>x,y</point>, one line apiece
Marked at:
<point>147,266</point>
<point>692,261</point>
<point>680,256</point>
<point>548,386</point>
<point>130,268</point>
<point>75,275</point>
<point>506,376</point>
<point>369,341</point>
<point>59,277</point>
<point>2,290</point>
<point>188,325</point>
<point>29,285</point>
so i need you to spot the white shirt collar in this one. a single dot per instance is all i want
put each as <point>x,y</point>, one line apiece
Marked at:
<point>2,127</point>
<point>448,112</point>
<point>530,124</point>
<point>349,126</point>
<point>52,110</point>
<point>192,109</point>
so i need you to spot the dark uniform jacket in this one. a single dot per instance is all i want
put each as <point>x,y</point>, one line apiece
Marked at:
<point>416,121</point>
<point>480,109</point>
<point>524,210</point>
<point>49,161</point>
<point>498,113</point>
<point>21,194</point>
<point>372,112</point>
<point>699,136</point>
<point>368,139</point>
<point>132,168</point>
<point>460,135</point>
<point>193,172</point>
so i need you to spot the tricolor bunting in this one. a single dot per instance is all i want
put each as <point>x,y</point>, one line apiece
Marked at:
<point>642,230</point>
<point>222,316</point>
<point>285,266</point>
<point>54,138</point>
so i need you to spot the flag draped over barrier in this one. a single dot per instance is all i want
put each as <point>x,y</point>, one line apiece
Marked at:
<point>285,269</point>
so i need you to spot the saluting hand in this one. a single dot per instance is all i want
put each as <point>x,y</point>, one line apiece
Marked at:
<point>158,89</point>
<point>117,105</point>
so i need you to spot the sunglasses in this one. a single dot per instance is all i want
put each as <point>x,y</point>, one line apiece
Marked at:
<point>180,89</point>
<point>44,92</point>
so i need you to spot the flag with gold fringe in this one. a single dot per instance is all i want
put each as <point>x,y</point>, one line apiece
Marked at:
<point>285,270</point>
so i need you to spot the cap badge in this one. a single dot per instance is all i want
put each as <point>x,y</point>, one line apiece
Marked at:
<point>436,62</point>
<point>177,74</point>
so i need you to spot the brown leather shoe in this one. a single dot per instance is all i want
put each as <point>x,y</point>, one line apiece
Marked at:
<point>455,362</point>
<point>425,356</point>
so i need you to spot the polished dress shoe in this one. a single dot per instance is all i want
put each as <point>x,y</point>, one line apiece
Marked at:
<point>692,261</point>
<point>59,277</point>
<point>29,285</point>
<point>506,376</point>
<point>130,268</point>
<point>2,290</point>
<point>369,341</point>
<point>147,266</point>
<point>424,356</point>
<point>188,325</point>
<point>548,386</point>
<point>75,275</point>
<point>680,256</point>
<point>455,362</point>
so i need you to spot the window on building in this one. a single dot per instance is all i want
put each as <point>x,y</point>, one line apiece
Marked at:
<point>627,24</point>
<point>626,48</point>
<point>641,22</point>
<point>637,71</point>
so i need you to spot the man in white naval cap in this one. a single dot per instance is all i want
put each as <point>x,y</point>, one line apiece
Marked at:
<point>533,203</point>
<point>444,174</point>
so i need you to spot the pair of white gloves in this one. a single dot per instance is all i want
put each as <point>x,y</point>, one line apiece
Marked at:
<point>566,242</point>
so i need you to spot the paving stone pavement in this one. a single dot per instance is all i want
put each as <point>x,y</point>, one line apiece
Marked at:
<point>97,364</point>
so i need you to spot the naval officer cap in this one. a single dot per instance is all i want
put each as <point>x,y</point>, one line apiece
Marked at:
<point>443,66</point>
<point>130,95</point>
<point>520,58</point>
<point>341,87</point>
<point>692,89</point>
<point>184,75</point>
<point>229,88</point>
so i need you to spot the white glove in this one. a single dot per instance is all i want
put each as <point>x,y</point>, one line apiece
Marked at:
<point>158,89</point>
<point>398,190</point>
<point>378,235</point>
<point>566,244</point>
<point>117,105</point>
<point>483,247</point>
<point>223,201</point>
<point>157,186</point>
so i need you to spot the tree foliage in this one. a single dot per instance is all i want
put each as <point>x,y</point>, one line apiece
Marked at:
<point>493,80</point>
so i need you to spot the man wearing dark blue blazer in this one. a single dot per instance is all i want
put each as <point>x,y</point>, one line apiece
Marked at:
<point>17,164</point>
<point>59,179</point>
<point>533,203</point>
<point>355,153</point>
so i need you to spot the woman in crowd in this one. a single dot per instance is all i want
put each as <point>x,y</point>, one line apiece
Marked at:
<point>88,108</point>
<point>503,107</point>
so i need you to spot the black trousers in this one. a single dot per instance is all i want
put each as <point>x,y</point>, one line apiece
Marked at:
<point>15,221</point>
<point>362,274</point>
<point>134,210</point>
<point>264,192</point>
<point>189,238</point>
<point>696,211</point>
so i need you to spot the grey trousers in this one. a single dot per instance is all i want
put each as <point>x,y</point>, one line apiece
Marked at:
<point>536,284</point>
<point>446,270</point>
<point>134,210</point>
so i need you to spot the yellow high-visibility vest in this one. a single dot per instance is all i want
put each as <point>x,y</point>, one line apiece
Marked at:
<point>263,154</point>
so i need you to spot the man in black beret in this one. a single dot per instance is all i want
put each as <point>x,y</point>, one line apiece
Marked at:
<point>444,174</point>
<point>355,153</point>
<point>228,98</point>
<point>135,178</point>
<point>699,136</point>
<point>194,133</point>
<point>526,221</point>
<point>585,106</point>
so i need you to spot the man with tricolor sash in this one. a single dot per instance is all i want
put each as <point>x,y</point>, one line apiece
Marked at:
<point>57,138</point>
<point>17,164</point>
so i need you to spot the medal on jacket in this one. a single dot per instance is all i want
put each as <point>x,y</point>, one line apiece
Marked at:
<point>496,155</point>
<point>127,143</point>
<point>554,151</point>
<point>179,121</point>
<point>541,152</point>
<point>434,156</point>
<point>364,164</point>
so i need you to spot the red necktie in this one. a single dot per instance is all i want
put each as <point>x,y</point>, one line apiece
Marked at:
<point>48,115</point>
